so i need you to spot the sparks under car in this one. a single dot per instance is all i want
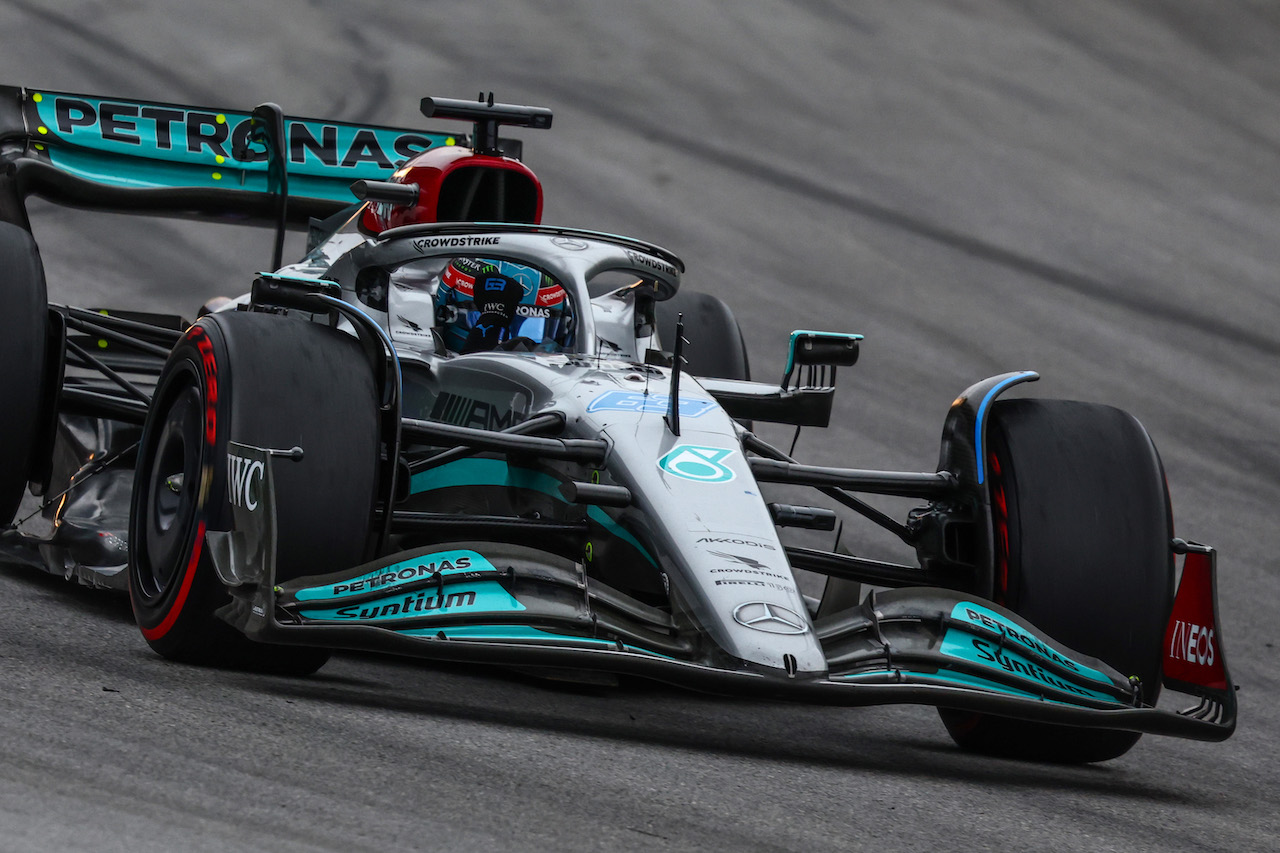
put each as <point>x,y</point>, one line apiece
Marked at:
<point>455,432</point>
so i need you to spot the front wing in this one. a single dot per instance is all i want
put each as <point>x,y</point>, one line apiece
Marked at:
<point>514,605</point>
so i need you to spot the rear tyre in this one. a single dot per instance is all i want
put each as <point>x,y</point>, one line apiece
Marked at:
<point>23,329</point>
<point>270,382</point>
<point>1082,521</point>
<point>716,346</point>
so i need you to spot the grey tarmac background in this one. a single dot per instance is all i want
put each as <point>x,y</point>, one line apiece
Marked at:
<point>1088,189</point>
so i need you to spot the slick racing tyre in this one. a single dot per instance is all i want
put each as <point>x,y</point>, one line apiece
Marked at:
<point>271,382</point>
<point>716,346</point>
<point>23,328</point>
<point>1082,528</point>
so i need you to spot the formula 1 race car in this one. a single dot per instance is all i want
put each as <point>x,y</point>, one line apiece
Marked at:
<point>454,432</point>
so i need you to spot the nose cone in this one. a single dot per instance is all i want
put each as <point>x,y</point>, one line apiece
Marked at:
<point>703,508</point>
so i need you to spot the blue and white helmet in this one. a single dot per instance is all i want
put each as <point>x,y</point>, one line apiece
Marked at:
<point>482,304</point>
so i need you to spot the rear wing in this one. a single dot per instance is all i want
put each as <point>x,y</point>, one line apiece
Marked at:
<point>152,157</point>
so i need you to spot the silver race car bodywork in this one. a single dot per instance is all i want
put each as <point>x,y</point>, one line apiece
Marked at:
<point>595,507</point>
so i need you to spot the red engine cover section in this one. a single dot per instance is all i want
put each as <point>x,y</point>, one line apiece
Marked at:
<point>455,184</point>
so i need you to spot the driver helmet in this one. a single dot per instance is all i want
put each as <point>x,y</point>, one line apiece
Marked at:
<point>482,304</point>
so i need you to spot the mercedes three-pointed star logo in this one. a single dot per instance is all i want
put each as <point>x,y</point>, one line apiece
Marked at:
<point>771,618</point>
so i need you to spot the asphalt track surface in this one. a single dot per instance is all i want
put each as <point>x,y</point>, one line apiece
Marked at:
<point>1089,189</point>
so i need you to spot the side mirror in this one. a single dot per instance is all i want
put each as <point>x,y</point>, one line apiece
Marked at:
<point>820,350</point>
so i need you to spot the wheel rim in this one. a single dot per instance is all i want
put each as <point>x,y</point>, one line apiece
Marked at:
<point>171,489</point>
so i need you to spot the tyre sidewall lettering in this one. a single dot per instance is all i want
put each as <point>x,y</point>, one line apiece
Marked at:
<point>157,615</point>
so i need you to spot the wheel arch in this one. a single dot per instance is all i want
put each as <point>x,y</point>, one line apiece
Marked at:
<point>964,441</point>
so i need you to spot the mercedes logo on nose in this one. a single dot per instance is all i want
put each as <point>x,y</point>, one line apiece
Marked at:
<point>772,618</point>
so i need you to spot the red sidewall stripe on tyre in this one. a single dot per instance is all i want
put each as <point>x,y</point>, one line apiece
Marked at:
<point>188,576</point>
<point>1000,529</point>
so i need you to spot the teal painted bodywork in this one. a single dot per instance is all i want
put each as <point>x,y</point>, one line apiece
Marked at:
<point>959,679</point>
<point>404,571</point>
<point>496,472</point>
<point>963,645</point>
<point>146,145</point>
<point>478,597</point>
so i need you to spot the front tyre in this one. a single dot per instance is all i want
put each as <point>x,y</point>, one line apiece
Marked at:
<point>1082,528</point>
<point>270,382</point>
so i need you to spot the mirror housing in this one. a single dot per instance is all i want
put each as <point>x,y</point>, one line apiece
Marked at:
<point>820,349</point>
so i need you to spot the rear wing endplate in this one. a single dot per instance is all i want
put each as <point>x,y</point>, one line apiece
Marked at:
<point>153,157</point>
